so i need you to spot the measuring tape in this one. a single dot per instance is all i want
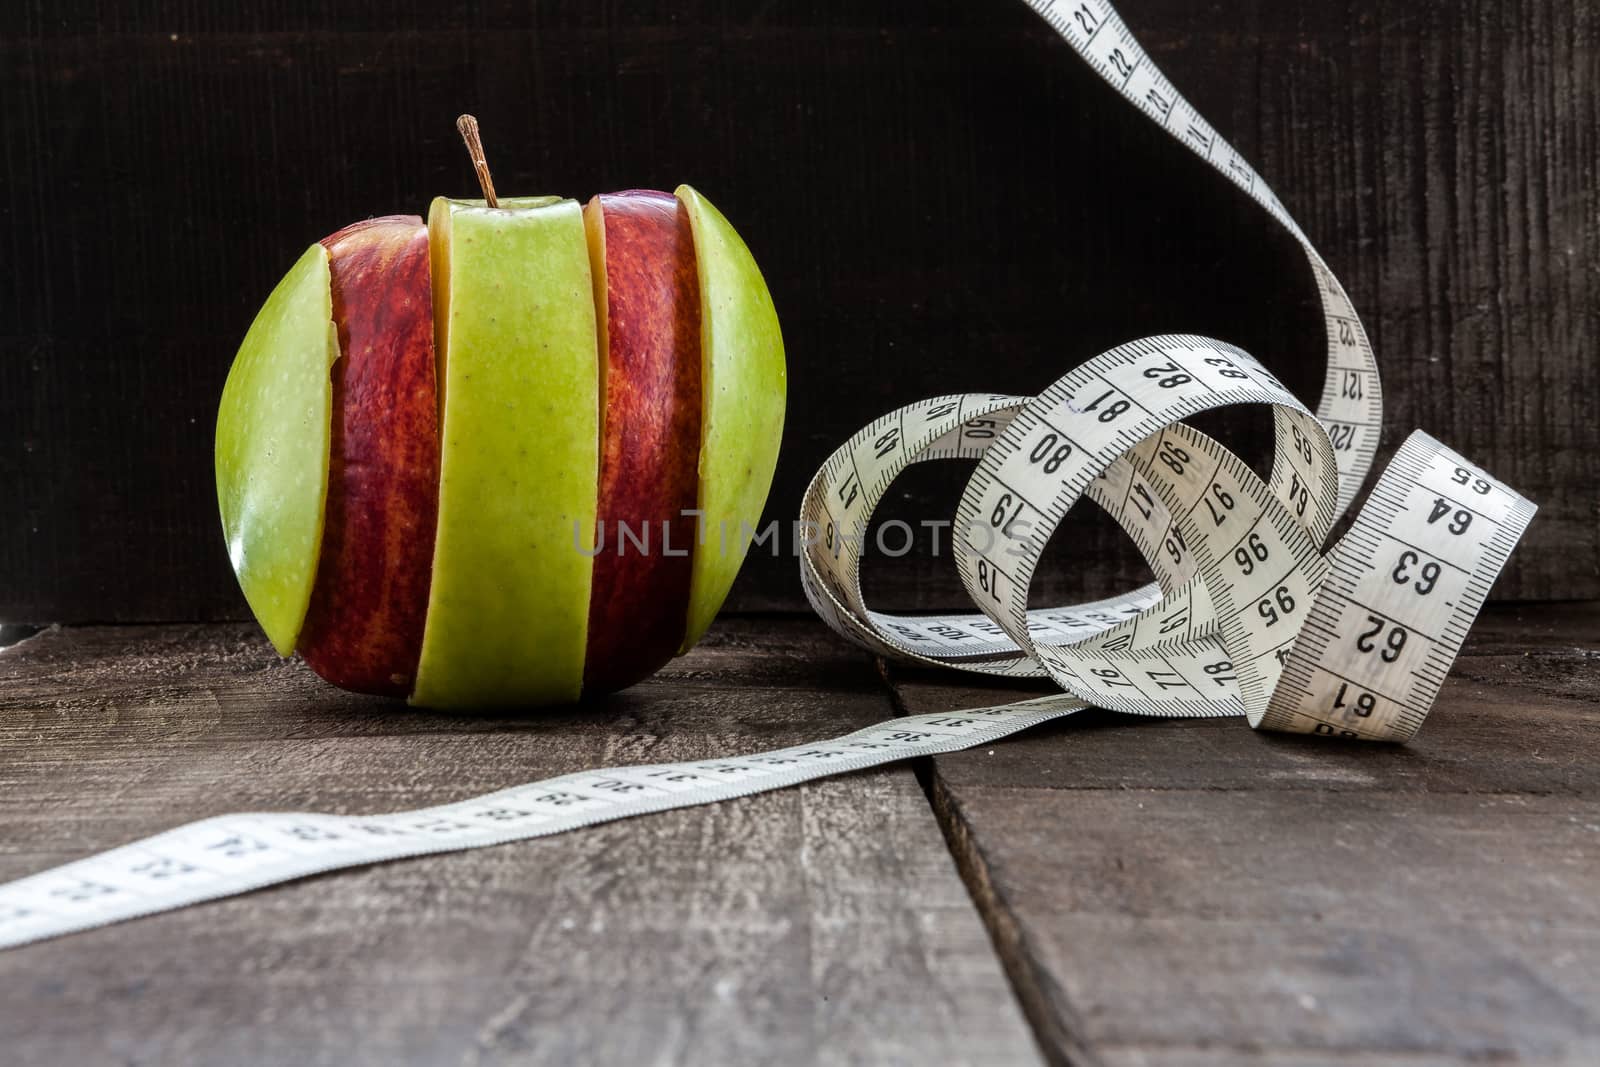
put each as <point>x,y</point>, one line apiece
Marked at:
<point>1247,615</point>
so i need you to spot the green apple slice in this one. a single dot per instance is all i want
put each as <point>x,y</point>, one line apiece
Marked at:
<point>743,380</point>
<point>272,447</point>
<point>519,460</point>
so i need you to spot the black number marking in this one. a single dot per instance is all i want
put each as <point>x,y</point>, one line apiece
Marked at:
<point>236,845</point>
<point>1119,643</point>
<point>1393,641</point>
<point>1171,375</point>
<point>1248,554</point>
<point>1051,451</point>
<point>1159,677</point>
<point>1176,546</point>
<point>618,785</point>
<point>163,867</point>
<point>1227,367</point>
<point>1224,498</point>
<point>1148,507</point>
<point>510,814</point>
<point>1284,603</point>
<point>1174,457</point>
<point>1425,580</point>
<point>999,518</point>
<point>989,579</point>
<point>1299,495</point>
<point>1458,522</point>
<point>307,832</point>
<point>1112,677</point>
<point>83,891</point>
<point>1112,410</point>
<point>1301,445</point>
<point>850,490</point>
<point>1462,476</point>
<point>1363,707</point>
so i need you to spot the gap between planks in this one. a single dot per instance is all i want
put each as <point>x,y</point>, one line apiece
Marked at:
<point>1045,1006</point>
<point>1539,652</point>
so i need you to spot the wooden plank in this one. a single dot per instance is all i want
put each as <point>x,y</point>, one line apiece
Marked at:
<point>911,177</point>
<point>822,924</point>
<point>1191,892</point>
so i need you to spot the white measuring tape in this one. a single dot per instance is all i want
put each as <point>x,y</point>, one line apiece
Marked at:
<point>1247,615</point>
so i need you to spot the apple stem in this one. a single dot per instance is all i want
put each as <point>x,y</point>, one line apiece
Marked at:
<point>469,133</point>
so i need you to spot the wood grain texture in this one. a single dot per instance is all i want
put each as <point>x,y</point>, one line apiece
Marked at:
<point>1191,892</point>
<point>1159,892</point>
<point>915,179</point>
<point>824,924</point>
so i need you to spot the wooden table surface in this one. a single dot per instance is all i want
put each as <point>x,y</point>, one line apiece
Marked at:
<point>1100,891</point>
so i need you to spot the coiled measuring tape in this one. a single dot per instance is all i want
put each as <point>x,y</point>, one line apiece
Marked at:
<point>1247,615</point>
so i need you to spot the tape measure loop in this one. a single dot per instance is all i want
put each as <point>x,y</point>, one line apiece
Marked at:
<point>1247,613</point>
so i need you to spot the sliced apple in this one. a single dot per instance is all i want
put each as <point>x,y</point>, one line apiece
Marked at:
<point>272,448</point>
<point>648,303</point>
<point>421,516</point>
<point>744,382</point>
<point>519,384</point>
<point>363,630</point>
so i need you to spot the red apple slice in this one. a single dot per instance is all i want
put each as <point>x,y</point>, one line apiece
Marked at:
<point>370,600</point>
<point>648,298</point>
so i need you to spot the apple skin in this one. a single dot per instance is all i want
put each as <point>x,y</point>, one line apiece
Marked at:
<point>363,630</point>
<point>648,291</point>
<point>520,452</point>
<point>744,380</point>
<point>272,448</point>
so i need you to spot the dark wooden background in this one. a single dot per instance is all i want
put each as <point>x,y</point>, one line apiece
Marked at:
<point>941,196</point>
